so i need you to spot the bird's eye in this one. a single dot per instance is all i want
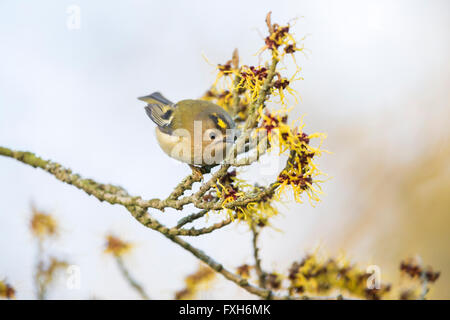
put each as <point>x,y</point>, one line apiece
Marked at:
<point>235,138</point>
<point>212,135</point>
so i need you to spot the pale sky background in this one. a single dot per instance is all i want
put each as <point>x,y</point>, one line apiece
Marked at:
<point>70,96</point>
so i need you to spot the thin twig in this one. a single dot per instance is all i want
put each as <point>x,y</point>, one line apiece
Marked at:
<point>40,282</point>
<point>260,273</point>
<point>190,218</point>
<point>133,283</point>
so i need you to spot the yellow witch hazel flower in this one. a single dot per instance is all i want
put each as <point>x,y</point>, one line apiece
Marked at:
<point>47,271</point>
<point>279,38</point>
<point>42,225</point>
<point>195,283</point>
<point>230,188</point>
<point>6,290</point>
<point>300,172</point>
<point>219,97</point>
<point>320,276</point>
<point>116,246</point>
<point>252,79</point>
<point>260,211</point>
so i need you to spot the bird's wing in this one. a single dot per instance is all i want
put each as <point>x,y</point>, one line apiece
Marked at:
<point>160,110</point>
<point>161,114</point>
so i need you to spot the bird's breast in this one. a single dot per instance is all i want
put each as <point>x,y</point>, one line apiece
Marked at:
<point>177,147</point>
<point>186,149</point>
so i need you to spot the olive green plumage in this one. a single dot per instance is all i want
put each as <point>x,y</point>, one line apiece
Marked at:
<point>217,126</point>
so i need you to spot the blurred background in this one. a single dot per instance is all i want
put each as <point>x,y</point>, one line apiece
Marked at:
<point>376,79</point>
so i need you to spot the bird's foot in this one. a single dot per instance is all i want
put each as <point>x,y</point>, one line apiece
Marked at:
<point>197,172</point>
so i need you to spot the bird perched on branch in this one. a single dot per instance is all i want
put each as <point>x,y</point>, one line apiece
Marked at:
<point>196,132</point>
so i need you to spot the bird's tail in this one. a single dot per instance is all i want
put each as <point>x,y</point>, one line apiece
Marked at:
<point>160,110</point>
<point>156,97</point>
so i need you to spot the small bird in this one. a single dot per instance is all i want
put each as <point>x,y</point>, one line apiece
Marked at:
<point>196,132</point>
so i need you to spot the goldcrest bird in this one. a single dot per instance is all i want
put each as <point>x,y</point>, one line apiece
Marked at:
<point>196,132</point>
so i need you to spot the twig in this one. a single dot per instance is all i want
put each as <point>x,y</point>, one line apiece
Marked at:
<point>261,274</point>
<point>186,183</point>
<point>190,218</point>
<point>236,96</point>
<point>424,281</point>
<point>152,223</point>
<point>40,283</point>
<point>130,279</point>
